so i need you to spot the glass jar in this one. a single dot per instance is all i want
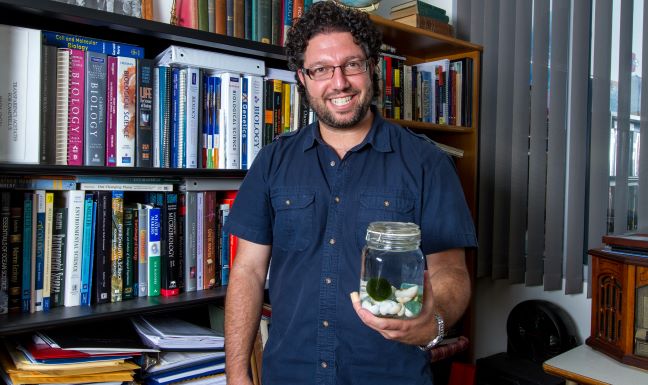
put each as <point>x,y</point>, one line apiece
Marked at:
<point>391,280</point>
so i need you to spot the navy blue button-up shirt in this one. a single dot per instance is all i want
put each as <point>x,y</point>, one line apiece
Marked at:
<point>314,208</point>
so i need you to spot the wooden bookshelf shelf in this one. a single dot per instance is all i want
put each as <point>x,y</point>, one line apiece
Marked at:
<point>12,324</point>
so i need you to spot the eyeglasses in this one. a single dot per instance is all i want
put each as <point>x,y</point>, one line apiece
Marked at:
<point>353,67</point>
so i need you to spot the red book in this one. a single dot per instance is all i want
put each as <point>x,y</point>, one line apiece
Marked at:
<point>187,13</point>
<point>111,112</point>
<point>76,102</point>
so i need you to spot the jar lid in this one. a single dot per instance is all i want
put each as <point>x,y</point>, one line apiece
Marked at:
<point>393,234</point>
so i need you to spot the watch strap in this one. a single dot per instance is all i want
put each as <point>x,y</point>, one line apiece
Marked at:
<point>440,333</point>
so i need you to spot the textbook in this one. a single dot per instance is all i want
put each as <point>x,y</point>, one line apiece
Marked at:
<point>63,40</point>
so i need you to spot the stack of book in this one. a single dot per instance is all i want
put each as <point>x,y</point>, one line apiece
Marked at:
<point>420,14</point>
<point>67,356</point>
<point>189,353</point>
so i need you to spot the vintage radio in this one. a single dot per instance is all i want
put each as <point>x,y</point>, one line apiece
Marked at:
<point>620,299</point>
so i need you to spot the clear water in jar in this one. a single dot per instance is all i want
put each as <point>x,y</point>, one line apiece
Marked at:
<point>391,283</point>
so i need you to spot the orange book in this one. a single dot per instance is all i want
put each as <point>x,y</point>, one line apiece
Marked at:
<point>220,14</point>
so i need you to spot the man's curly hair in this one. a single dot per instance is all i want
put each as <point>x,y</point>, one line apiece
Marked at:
<point>326,17</point>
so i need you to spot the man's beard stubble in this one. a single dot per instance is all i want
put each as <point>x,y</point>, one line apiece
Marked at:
<point>325,116</point>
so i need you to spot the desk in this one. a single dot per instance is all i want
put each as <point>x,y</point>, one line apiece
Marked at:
<point>584,365</point>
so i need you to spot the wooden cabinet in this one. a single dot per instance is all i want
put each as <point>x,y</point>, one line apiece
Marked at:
<point>415,44</point>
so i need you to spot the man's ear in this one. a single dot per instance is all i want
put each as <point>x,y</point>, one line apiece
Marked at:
<point>300,76</point>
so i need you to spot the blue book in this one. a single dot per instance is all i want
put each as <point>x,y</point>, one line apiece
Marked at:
<point>187,374</point>
<point>87,254</point>
<point>244,122</point>
<point>36,183</point>
<point>27,251</point>
<point>63,40</point>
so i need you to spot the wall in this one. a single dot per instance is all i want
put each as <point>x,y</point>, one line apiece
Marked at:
<point>495,299</point>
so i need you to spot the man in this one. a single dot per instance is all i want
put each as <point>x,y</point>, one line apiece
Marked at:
<point>305,205</point>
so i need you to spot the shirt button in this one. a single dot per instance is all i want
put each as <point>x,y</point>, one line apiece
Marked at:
<point>332,163</point>
<point>287,202</point>
<point>332,241</point>
<point>325,323</point>
<point>386,203</point>
<point>328,280</point>
<point>337,199</point>
<point>324,364</point>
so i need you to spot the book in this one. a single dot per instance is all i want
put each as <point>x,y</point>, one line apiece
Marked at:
<point>20,89</point>
<point>126,102</point>
<point>117,247</point>
<point>170,333</point>
<point>48,105</point>
<point>59,235</point>
<point>72,268</point>
<point>144,136</point>
<point>83,43</point>
<point>111,112</point>
<point>87,255</point>
<point>142,254</point>
<point>428,23</point>
<point>192,114</point>
<point>27,252</point>
<point>47,252</point>
<point>418,7</point>
<point>153,251</point>
<point>190,223</point>
<point>231,111</point>
<point>5,203</point>
<point>170,262</point>
<point>76,108</point>
<point>636,243</point>
<point>207,60</point>
<point>40,249</point>
<point>103,242</point>
<point>210,241</point>
<point>129,280</point>
<point>96,66</point>
<point>200,239</point>
<point>37,182</point>
<point>125,186</point>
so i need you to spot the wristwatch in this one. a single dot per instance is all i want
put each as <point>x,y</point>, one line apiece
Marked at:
<point>440,333</point>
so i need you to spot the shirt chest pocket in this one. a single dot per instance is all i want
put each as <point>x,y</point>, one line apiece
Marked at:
<point>382,206</point>
<point>294,216</point>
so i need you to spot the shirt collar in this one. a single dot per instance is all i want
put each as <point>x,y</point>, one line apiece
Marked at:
<point>378,137</point>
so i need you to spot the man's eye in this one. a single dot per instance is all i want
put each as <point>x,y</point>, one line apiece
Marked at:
<point>353,65</point>
<point>318,70</point>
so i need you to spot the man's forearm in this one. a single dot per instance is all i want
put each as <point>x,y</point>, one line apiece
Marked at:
<point>451,287</point>
<point>242,313</point>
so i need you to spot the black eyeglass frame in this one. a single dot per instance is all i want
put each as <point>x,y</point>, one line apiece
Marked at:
<point>330,70</point>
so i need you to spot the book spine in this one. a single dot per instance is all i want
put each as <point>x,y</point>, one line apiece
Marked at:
<point>200,240</point>
<point>111,112</point>
<point>167,131</point>
<point>126,118</point>
<point>244,123</point>
<point>40,248</point>
<point>181,240</point>
<point>210,240</point>
<point>47,260</point>
<point>231,103</point>
<point>277,109</point>
<point>26,253</point>
<point>286,106</point>
<point>117,247</point>
<point>268,118</point>
<point>220,17</point>
<point>5,202</point>
<point>153,251</point>
<point>239,19</point>
<point>86,256</point>
<point>156,146</point>
<point>169,278</point>
<point>62,104</point>
<point>63,40</point>
<point>20,59</point>
<point>48,105</point>
<point>192,117</point>
<point>76,106</point>
<point>129,251</point>
<point>96,66</point>
<point>142,262</point>
<point>224,244</point>
<point>72,278</point>
<point>287,19</point>
<point>15,257</point>
<point>59,233</point>
<point>145,113</point>
<point>217,128</point>
<point>181,117</point>
<point>101,288</point>
<point>265,21</point>
<point>190,230</point>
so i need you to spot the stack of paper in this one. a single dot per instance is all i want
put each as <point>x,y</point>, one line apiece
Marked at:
<point>19,366</point>
<point>167,333</point>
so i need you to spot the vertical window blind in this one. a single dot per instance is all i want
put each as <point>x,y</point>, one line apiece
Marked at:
<point>559,148</point>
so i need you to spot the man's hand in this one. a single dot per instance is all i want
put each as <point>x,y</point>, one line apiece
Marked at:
<point>415,331</point>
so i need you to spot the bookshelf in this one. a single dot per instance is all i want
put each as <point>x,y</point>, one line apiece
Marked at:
<point>416,45</point>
